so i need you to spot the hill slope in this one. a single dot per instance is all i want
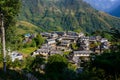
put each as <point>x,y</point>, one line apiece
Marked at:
<point>24,27</point>
<point>75,15</point>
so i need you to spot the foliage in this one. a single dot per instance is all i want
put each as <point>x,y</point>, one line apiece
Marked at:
<point>115,32</point>
<point>28,62</point>
<point>29,44</point>
<point>12,75</point>
<point>55,67</point>
<point>104,34</point>
<point>24,27</point>
<point>72,66</point>
<point>14,41</point>
<point>93,45</point>
<point>74,46</point>
<point>75,15</point>
<point>10,9</point>
<point>33,43</point>
<point>108,62</point>
<point>102,67</point>
<point>27,51</point>
<point>36,63</point>
<point>67,53</point>
<point>91,75</point>
<point>39,40</point>
<point>17,64</point>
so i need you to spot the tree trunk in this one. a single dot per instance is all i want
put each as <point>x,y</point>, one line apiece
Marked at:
<point>3,42</point>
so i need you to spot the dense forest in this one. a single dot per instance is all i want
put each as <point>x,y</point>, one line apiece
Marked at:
<point>75,15</point>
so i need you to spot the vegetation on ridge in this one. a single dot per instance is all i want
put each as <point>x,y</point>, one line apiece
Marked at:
<point>75,15</point>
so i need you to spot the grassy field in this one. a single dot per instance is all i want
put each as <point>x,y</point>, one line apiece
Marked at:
<point>24,27</point>
<point>27,51</point>
<point>67,52</point>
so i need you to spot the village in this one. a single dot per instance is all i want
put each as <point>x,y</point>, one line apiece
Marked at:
<point>75,46</point>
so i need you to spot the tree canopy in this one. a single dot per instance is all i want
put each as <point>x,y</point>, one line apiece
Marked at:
<point>56,66</point>
<point>10,9</point>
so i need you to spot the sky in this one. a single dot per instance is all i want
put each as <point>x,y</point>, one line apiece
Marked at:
<point>112,0</point>
<point>104,5</point>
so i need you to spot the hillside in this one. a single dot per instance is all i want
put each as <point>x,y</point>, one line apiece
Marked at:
<point>75,15</point>
<point>26,27</point>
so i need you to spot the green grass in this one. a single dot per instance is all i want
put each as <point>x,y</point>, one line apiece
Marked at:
<point>27,51</point>
<point>67,52</point>
<point>26,27</point>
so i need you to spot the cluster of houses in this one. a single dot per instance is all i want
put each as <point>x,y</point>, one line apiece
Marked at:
<point>60,42</point>
<point>57,42</point>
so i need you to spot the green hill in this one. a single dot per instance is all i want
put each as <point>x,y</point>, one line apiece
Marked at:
<point>75,15</point>
<point>26,27</point>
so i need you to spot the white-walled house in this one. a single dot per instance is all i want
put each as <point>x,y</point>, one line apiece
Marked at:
<point>43,52</point>
<point>104,40</point>
<point>105,43</point>
<point>82,53</point>
<point>51,41</point>
<point>15,55</point>
<point>65,43</point>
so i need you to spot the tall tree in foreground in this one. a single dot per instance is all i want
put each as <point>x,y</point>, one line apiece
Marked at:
<point>8,10</point>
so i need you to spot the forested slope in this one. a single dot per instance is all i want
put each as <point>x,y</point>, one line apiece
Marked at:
<point>75,15</point>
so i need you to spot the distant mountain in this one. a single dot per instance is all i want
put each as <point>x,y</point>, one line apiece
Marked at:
<point>104,5</point>
<point>116,11</point>
<point>75,15</point>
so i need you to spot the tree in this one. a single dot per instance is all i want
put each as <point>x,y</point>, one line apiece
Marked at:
<point>93,46</point>
<point>10,9</point>
<point>109,62</point>
<point>74,46</point>
<point>28,61</point>
<point>36,63</point>
<point>56,66</point>
<point>102,67</point>
<point>115,32</point>
<point>39,40</point>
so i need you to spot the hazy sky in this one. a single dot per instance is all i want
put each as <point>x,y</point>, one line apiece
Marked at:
<point>112,0</point>
<point>105,5</point>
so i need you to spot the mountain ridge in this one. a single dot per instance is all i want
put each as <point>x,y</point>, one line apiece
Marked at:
<point>75,15</point>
